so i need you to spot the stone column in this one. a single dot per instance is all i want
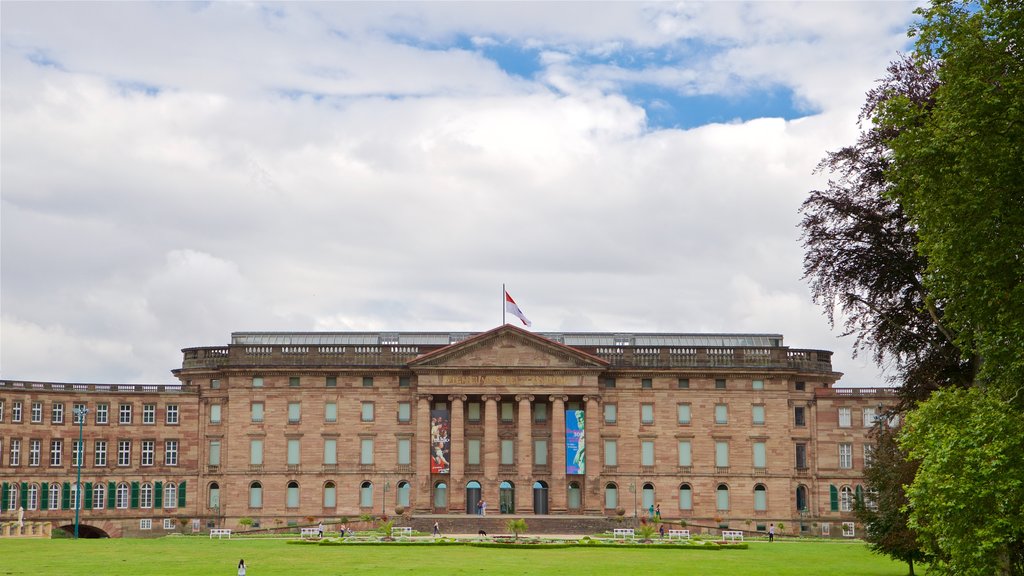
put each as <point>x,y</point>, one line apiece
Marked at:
<point>556,456</point>
<point>524,456</point>
<point>491,452</point>
<point>456,488</point>
<point>592,422</point>
<point>424,497</point>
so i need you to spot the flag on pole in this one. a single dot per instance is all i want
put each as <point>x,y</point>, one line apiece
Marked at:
<point>513,309</point>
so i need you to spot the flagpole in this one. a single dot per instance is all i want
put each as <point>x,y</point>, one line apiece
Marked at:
<point>502,303</point>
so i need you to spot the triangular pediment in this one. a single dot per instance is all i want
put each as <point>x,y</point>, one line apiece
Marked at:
<point>509,347</point>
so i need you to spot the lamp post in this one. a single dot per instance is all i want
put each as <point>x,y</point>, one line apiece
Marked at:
<point>384,499</point>
<point>632,488</point>
<point>80,412</point>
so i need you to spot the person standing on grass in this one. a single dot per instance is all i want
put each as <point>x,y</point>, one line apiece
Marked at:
<point>320,530</point>
<point>771,532</point>
<point>241,567</point>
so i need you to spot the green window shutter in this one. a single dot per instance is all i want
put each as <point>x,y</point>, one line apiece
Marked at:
<point>859,492</point>
<point>65,496</point>
<point>3,497</point>
<point>24,493</point>
<point>135,495</point>
<point>44,496</point>
<point>111,495</point>
<point>158,494</point>
<point>181,495</point>
<point>833,495</point>
<point>87,503</point>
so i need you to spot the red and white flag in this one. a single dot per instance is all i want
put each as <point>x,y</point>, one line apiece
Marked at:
<point>513,309</point>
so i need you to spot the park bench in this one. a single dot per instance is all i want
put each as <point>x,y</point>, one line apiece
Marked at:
<point>732,535</point>
<point>401,531</point>
<point>219,532</point>
<point>623,532</point>
<point>684,534</point>
<point>311,532</point>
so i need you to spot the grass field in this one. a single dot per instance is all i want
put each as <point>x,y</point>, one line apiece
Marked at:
<point>199,556</point>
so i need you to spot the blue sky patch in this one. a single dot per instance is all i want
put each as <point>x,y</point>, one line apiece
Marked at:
<point>667,108</point>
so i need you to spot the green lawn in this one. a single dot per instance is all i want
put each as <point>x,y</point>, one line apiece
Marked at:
<point>202,556</point>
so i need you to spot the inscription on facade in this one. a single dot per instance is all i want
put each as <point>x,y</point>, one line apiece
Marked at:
<point>508,380</point>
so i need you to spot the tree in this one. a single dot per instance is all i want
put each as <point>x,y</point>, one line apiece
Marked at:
<point>884,510</point>
<point>516,525</point>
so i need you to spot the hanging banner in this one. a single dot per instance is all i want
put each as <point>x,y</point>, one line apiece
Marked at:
<point>440,442</point>
<point>575,444</point>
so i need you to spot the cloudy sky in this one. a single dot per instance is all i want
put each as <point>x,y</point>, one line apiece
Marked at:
<point>173,172</point>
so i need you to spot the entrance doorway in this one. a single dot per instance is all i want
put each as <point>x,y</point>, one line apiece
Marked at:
<point>472,497</point>
<point>507,497</point>
<point>540,498</point>
<point>440,498</point>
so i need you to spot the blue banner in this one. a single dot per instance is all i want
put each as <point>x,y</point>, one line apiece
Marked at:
<point>575,443</point>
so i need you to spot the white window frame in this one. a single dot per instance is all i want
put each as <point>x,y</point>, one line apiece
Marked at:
<point>103,413</point>
<point>147,449</point>
<point>146,524</point>
<point>15,457</point>
<point>37,412</point>
<point>57,413</point>
<point>148,414</point>
<point>845,456</point>
<point>16,412</point>
<point>99,453</point>
<point>124,453</point>
<point>56,452</point>
<point>35,452</point>
<point>124,414</point>
<point>170,452</point>
<point>845,417</point>
<point>849,530</point>
<point>172,414</point>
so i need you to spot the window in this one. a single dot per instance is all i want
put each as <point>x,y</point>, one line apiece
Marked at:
<point>124,414</point>
<point>146,524</point>
<point>255,495</point>
<point>171,414</point>
<point>611,413</point>
<point>37,412</point>
<point>798,416</point>
<point>99,496</point>
<point>760,498</point>
<point>15,459</point>
<point>611,496</point>
<point>540,452</point>
<point>869,417</point>
<point>801,456</point>
<point>256,411</point>
<point>57,413</point>
<point>404,411</point>
<point>33,497</point>
<point>54,491</point>
<point>366,414</point>
<point>845,499</point>
<point>757,385</point>
<point>722,497</point>
<point>215,383</point>
<point>846,456</point>
<point>508,452</point>
<point>683,383</point>
<point>611,453</point>
<point>102,413</point>
<point>293,381</point>
<point>849,530</point>
<point>647,413</point>
<point>121,496</point>
<point>844,418</point>
<point>366,451</point>
<point>330,452</point>
<point>760,455</point>
<point>366,494</point>
<point>77,453</point>
<point>76,410</point>
<point>800,386</point>
<point>757,414</point>
<point>685,497</point>
<point>684,414</point>
<point>801,498</point>
<point>257,381</point>
<point>721,414</point>
<point>608,382</point>
<point>215,414</point>
<point>100,453</point>
<point>330,495</point>
<point>404,488</point>
<point>56,452</point>
<point>170,453</point>
<point>35,448</point>
<point>16,412</point>
<point>255,452</point>
<point>170,495</point>
<point>168,523</point>
<point>148,452</point>
<point>331,381</point>
<point>722,454</point>
<point>294,412</point>
<point>473,452</point>
<point>869,454</point>
<point>367,381</point>
<point>720,384</point>
<point>2,411</point>
<point>146,495</point>
<point>473,411</point>
<point>647,453</point>
<point>646,383</point>
<point>404,451</point>
<point>685,453</point>
<point>148,414</point>
<point>294,452</point>
<point>331,412</point>
<point>540,413</point>
<point>507,411</point>
<point>440,495</point>
<point>404,381</point>
<point>292,497</point>
<point>12,496</point>
<point>214,453</point>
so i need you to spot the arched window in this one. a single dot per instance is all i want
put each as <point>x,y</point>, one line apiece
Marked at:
<point>292,497</point>
<point>170,495</point>
<point>440,495</point>
<point>255,495</point>
<point>574,497</point>
<point>121,498</point>
<point>845,499</point>
<point>75,503</point>
<point>214,500</point>
<point>648,498</point>
<point>54,491</point>
<point>33,497</point>
<point>402,494</point>
<point>330,495</point>
<point>611,496</point>
<point>366,494</point>
<point>722,497</point>
<point>801,498</point>
<point>760,498</point>
<point>507,497</point>
<point>99,495</point>
<point>12,496</point>
<point>685,497</point>
<point>146,496</point>
<point>473,497</point>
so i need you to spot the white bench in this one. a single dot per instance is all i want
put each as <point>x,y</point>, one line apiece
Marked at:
<point>311,532</point>
<point>219,532</point>
<point>623,532</point>
<point>732,535</point>
<point>684,534</point>
<point>401,531</point>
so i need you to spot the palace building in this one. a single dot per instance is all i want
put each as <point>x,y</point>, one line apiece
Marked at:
<point>722,430</point>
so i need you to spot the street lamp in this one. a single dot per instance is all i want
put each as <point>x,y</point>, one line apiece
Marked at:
<point>80,412</point>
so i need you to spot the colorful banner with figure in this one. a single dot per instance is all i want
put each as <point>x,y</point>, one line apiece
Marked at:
<point>575,443</point>
<point>440,442</point>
